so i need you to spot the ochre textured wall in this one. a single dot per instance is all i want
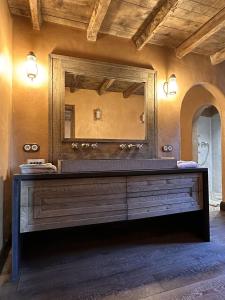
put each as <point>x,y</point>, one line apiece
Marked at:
<point>5,86</point>
<point>31,101</point>
<point>120,116</point>
<point>5,107</point>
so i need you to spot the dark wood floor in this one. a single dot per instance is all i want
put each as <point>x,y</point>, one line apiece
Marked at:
<point>122,264</point>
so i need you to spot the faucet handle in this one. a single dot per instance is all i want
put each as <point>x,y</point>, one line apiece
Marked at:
<point>75,146</point>
<point>123,146</point>
<point>94,146</point>
<point>139,146</point>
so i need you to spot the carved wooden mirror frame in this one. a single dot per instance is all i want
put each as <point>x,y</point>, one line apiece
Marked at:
<point>61,148</point>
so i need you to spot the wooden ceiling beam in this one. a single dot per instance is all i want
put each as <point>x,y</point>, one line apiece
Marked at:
<point>132,89</point>
<point>35,10</point>
<point>156,18</point>
<point>218,57</point>
<point>98,15</point>
<point>105,85</point>
<point>74,83</point>
<point>207,30</point>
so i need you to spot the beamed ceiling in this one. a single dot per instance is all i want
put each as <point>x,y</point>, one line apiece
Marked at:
<point>185,25</point>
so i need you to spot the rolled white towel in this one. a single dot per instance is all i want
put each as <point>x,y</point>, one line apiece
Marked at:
<point>184,164</point>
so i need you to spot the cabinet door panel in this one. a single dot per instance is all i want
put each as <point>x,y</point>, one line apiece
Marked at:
<point>62,203</point>
<point>149,196</point>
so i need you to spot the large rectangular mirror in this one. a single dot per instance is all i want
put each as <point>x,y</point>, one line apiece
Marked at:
<point>103,108</point>
<point>104,103</point>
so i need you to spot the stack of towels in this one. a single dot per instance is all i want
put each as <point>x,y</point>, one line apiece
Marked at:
<point>38,168</point>
<point>184,164</point>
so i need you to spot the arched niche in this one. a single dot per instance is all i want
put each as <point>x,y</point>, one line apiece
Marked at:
<point>195,100</point>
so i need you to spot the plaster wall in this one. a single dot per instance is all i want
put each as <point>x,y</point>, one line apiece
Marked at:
<point>31,100</point>
<point>5,109</point>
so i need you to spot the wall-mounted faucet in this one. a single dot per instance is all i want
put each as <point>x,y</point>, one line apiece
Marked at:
<point>123,146</point>
<point>75,146</point>
<point>94,146</point>
<point>85,145</point>
<point>131,146</point>
<point>139,146</point>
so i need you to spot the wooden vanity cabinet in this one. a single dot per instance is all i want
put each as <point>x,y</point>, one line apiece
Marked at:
<point>50,201</point>
<point>61,203</point>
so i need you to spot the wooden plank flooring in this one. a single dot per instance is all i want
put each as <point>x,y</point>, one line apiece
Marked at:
<point>122,264</point>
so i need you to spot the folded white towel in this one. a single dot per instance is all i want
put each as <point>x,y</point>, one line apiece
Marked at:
<point>183,164</point>
<point>38,168</point>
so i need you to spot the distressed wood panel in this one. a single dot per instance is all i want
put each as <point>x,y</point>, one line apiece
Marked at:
<point>65,22</point>
<point>124,17</point>
<point>205,32</point>
<point>35,224</point>
<point>66,203</point>
<point>157,182</point>
<point>213,44</point>
<point>162,195</point>
<point>164,210</point>
<point>71,10</point>
<point>99,12</point>
<point>36,15</point>
<point>33,191</point>
<point>163,199</point>
<point>201,8</point>
<point>212,3</point>
<point>73,202</point>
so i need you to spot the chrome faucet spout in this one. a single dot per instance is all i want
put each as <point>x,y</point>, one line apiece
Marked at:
<point>75,146</point>
<point>85,145</point>
<point>123,146</point>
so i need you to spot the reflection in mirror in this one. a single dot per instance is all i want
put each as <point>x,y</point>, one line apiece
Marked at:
<point>103,108</point>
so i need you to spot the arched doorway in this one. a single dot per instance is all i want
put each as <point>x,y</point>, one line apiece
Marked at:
<point>198,98</point>
<point>206,149</point>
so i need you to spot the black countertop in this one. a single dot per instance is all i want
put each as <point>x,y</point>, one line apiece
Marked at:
<point>106,174</point>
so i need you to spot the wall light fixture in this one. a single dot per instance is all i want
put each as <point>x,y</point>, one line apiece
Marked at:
<point>97,114</point>
<point>170,86</point>
<point>31,66</point>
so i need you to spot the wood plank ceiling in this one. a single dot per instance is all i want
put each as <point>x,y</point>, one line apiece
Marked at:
<point>186,25</point>
<point>102,85</point>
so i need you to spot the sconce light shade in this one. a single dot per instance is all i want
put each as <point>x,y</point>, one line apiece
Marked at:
<point>97,114</point>
<point>170,86</point>
<point>31,66</point>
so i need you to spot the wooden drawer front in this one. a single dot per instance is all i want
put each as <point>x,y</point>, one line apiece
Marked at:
<point>62,203</point>
<point>149,196</point>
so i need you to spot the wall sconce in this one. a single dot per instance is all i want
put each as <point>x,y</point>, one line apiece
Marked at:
<point>170,86</point>
<point>31,66</point>
<point>97,114</point>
